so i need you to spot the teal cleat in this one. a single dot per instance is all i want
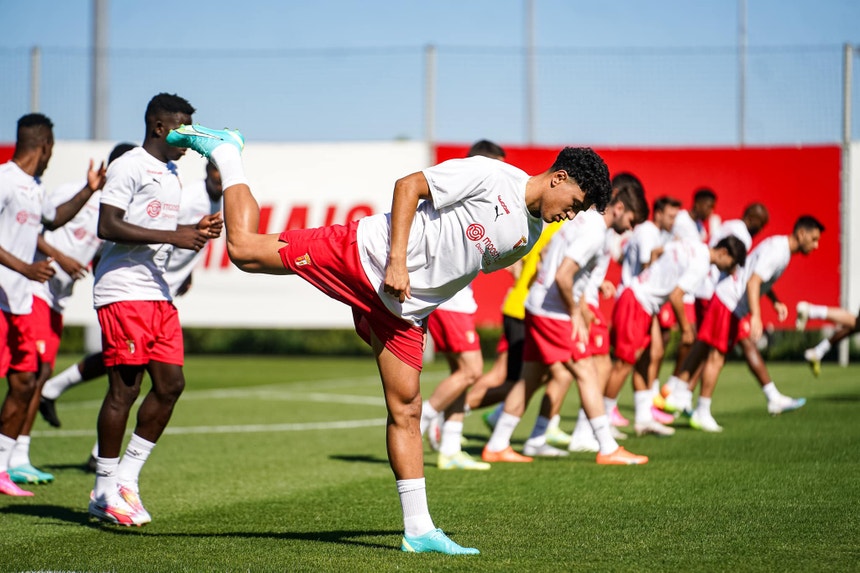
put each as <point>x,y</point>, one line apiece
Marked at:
<point>28,474</point>
<point>784,404</point>
<point>557,437</point>
<point>204,140</point>
<point>434,542</point>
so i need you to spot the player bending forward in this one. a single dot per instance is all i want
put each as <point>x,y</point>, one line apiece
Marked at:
<point>393,269</point>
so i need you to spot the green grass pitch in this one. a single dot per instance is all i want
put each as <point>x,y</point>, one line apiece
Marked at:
<point>280,465</point>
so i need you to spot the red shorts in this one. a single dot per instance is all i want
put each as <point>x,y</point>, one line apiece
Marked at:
<point>598,333</point>
<point>137,332</point>
<point>702,305</point>
<point>667,316</point>
<point>453,331</point>
<point>19,344</point>
<point>327,257</point>
<point>47,328</point>
<point>502,346</point>
<point>548,340</point>
<point>721,328</point>
<point>631,327</point>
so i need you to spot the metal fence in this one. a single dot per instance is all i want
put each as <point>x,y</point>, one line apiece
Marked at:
<point>623,96</point>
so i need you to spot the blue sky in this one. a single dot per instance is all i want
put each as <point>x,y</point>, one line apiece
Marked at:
<point>609,72</point>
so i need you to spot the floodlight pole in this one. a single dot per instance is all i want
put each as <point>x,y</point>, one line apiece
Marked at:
<point>530,71</point>
<point>742,71</point>
<point>35,78</point>
<point>430,94</point>
<point>99,99</point>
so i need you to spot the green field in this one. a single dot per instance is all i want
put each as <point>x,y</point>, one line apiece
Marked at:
<point>279,465</point>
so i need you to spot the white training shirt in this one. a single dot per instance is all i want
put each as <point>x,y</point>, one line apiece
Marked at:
<point>601,267</point>
<point>463,301</point>
<point>683,264</point>
<point>476,221</point>
<point>77,239</point>
<point>768,260</point>
<point>581,239</point>
<point>732,228</point>
<point>686,229</point>
<point>23,207</point>
<point>645,238</point>
<point>149,192</point>
<point>193,206</point>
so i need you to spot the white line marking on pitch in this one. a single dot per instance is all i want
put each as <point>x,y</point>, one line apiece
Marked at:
<point>239,429</point>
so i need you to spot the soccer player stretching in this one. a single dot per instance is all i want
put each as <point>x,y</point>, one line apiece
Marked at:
<point>393,269</point>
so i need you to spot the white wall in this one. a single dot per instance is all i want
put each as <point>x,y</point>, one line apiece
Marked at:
<point>328,179</point>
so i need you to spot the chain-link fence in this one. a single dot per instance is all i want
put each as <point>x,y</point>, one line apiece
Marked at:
<point>623,96</point>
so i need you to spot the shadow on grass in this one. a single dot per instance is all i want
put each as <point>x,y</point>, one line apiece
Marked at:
<point>81,517</point>
<point>365,459</point>
<point>838,398</point>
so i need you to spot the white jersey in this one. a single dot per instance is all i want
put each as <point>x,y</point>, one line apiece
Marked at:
<point>637,254</point>
<point>732,228</point>
<point>463,301</point>
<point>77,239</point>
<point>683,264</point>
<point>581,240</point>
<point>23,206</point>
<point>686,229</point>
<point>193,206</point>
<point>601,267</point>
<point>768,260</point>
<point>476,221</point>
<point>149,192</point>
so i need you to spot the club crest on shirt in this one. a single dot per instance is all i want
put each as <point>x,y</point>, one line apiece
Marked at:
<point>521,242</point>
<point>154,208</point>
<point>303,260</point>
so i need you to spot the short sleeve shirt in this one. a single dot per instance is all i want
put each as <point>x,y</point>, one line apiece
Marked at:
<point>23,207</point>
<point>77,239</point>
<point>193,206</point>
<point>581,240</point>
<point>476,221</point>
<point>149,192</point>
<point>732,228</point>
<point>683,264</point>
<point>768,260</point>
<point>645,238</point>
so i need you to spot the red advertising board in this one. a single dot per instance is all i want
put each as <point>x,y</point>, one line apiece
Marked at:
<point>791,181</point>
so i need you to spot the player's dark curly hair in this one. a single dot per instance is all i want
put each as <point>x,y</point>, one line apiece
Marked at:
<point>589,171</point>
<point>735,248</point>
<point>34,129</point>
<point>167,103</point>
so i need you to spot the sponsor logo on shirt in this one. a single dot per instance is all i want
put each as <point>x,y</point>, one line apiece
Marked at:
<point>22,217</point>
<point>475,232</point>
<point>303,260</point>
<point>502,203</point>
<point>154,208</point>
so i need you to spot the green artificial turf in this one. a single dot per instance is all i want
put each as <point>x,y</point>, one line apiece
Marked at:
<point>280,465</point>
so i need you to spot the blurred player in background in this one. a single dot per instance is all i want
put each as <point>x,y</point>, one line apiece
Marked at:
<point>394,269</point>
<point>848,322</point>
<point>734,314</point>
<point>72,248</point>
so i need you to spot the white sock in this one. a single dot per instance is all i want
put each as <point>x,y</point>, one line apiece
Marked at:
<point>501,438</point>
<point>609,404</point>
<point>676,383</point>
<point>132,461</point>
<point>21,452</point>
<point>817,311</point>
<point>643,400</point>
<point>228,159</point>
<point>493,418</point>
<point>770,391</point>
<point>583,426</point>
<point>539,430</point>
<point>106,482</point>
<point>704,406</point>
<point>822,348</point>
<point>428,413</point>
<point>655,388</point>
<point>451,432</point>
<point>413,500</point>
<point>95,451</point>
<point>55,386</point>
<point>7,444</point>
<point>600,425</point>
<point>554,422</point>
